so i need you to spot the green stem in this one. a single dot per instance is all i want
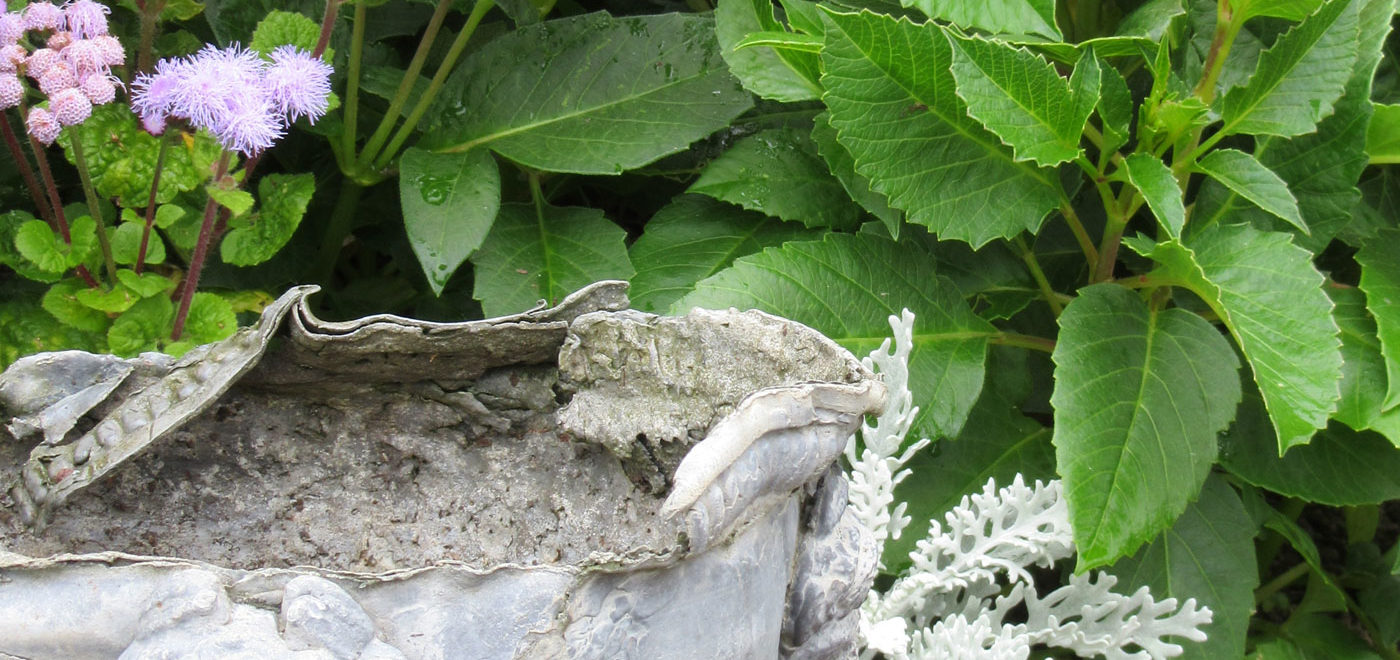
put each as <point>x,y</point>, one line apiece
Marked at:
<point>352,93</point>
<point>337,229</point>
<point>94,209</point>
<point>415,66</point>
<point>439,77</point>
<point>151,205</point>
<point>1283,579</point>
<point>1226,29</point>
<point>1076,226</point>
<point>1046,291</point>
<point>201,252</point>
<point>1031,342</point>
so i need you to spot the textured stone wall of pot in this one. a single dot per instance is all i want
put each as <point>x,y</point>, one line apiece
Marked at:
<point>582,481</point>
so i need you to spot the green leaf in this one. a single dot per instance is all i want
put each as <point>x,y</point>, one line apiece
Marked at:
<point>25,329</point>
<point>997,442</point>
<point>1115,107</point>
<point>1270,297</point>
<point>112,301</point>
<point>1289,530</point>
<point>1380,279</point>
<point>144,327</point>
<point>449,202</point>
<point>545,254</point>
<point>1010,17</point>
<point>1207,554</point>
<point>1293,10</point>
<point>891,96</point>
<point>1139,397</point>
<point>846,286</point>
<point>282,28</point>
<point>1363,367</point>
<point>383,82</point>
<point>121,156</point>
<point>236,201</point>
<point>768,73</point>
<point>168,214</point>
<point>576,95</point>
<point>1019,96</point>
<point>126,244</point>
<point>1298,78</point>
<point>781,40</point>
<point>1315,637</point>
<point>843,167</point>
<point>1158,186</point>
<point>1151,19</point>
<point>284,201</point>
<point>145,284</point>
<point>778,172</point>
<point>211,319</point>
<point>46,249</point>
<point>10,222</point>
<point>1383,135</point>
<point>693,238</point>
<point>61,300</point>
<point>1241,173</point>
<point>1340,467</point>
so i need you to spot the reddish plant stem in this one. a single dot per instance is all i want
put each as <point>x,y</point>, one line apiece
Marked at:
<point>25,171</point>
<point>151,206</point>
<point>327,26</point>
<point>201,251</point>
<point>60,223</point>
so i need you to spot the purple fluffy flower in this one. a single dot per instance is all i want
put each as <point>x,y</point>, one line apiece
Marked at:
<point>11,90</point>
<point>11,27</point>
<point>42,16</point>
<point>213,81</point>
<point>70,107</point>
<point>42,126</point>
<point>298,83</point>
<point>249,126</point>
<point>86,19</point>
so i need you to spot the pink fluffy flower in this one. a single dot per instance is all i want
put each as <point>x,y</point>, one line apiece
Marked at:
<point>98,89</point>
<point>42,126</point>
<point>58,77</point>
<point>59,40</point>
<point>42,16</point>
<point>86,19</point>
<point>11,27</point>
<point>70,107</point>
<point>86,56</point>
<point>11,57</point>
<point>112,52</point>
<point>298,84</point>
<point>39,61</point>
<point>11,90</point>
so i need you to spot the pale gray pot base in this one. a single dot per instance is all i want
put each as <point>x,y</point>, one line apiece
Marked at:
<point>390,488</point>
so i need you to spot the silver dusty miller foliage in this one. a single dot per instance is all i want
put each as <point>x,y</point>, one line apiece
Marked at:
<point>971,570</point>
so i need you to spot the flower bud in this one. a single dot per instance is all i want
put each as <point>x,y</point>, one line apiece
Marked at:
<point>112,52</point>
<point>70,107</point>
<point>85,18</point>
<point>39,61</point>
<point>56,78</point>
<point>98,89</point>
<point>42,126</point>
<point>11,27</point>
<point>11,90</point>
<point>42,16</point>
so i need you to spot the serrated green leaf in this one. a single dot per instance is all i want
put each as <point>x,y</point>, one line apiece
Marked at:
<point>211,319</point>
<point>1315,637</point>
<point>44,248</point>
<point>62,302</point>
<point>765,72</point>
<point>1158,186</point>
<point>1383,135</point>
<point>144,327</point>
<point>1270,297</point>
<point>236,201</point>
<point>25,329</point>
<point>281,28</point>
<point>693,238</point>
<point>545,253</point>
<point>781,40</point>
<point>449,202</point>
<point>112,301</point>
<point>1139,397</point>
<point>1293,10</point>
<point>803,16</point>
<point>1298,78</point>
<point>574,95</point>
<point>778,172</point>
<point>284,201</point>
<point>1363,383</point>
<point>126,244</point>
<point>1207,554</point>
<point>121,156</point>
<point>1009,17</point>
<point>997,442</point>
<point>145,284</point>
<point>843,167</point>
<point>1150,19</point>
<point>1288,529</point>
<point>1340,467</point>
<point>892,102</point>
<point>847,286</point>
<point>10,222</point>
<point>1115,108</point>
<point>234,20</point>
<point>1248,178</point>
<point>1380,279</point>
<point>1018,96</point>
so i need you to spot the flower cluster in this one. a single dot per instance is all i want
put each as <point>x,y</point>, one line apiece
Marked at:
<point>244,100</point>
<point>72,69</point>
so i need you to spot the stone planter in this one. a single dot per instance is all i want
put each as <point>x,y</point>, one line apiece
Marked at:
<point>582,481</point>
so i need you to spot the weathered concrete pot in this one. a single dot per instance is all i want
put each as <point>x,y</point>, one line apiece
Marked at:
<point>390,488</point>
